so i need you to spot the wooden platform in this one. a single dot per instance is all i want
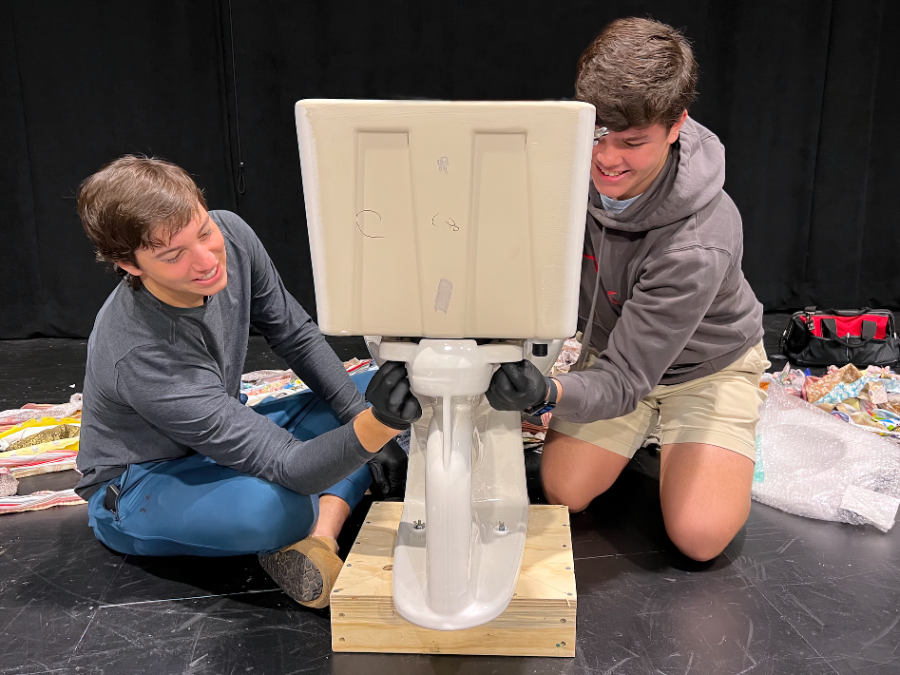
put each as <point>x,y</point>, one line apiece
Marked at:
<point>540,620</point>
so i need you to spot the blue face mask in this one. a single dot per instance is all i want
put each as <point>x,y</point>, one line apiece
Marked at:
<point>616,205</point>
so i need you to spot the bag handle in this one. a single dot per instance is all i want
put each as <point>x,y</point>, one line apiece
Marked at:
<point>868,330</point>
<point>830,326</point>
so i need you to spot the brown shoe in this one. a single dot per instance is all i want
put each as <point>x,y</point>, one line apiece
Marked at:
<point>306,571</point>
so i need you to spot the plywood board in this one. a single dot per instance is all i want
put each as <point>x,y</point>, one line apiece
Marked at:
<point>540,620</point>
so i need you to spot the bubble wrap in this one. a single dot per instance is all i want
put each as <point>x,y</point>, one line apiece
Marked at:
<point>812,464</point>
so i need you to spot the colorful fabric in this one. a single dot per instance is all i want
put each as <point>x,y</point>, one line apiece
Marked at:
<point>867,399</point>
<point>845,390</point>
<point>36,410</point>
<point>816,388</point>
<point>48,435</point>
<point>264,385</point>
<point>38,501</point>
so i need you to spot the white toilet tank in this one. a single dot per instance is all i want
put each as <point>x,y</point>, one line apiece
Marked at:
<point>446,219</point>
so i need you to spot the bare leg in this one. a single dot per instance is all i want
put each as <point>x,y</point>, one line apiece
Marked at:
<point>333,513</point>
<point>705,496</point>
<point>574,472</point>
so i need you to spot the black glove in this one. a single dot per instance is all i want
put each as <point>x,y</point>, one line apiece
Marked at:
<point>393,404</point>
<point>517,386</point>
<point>388,469</point>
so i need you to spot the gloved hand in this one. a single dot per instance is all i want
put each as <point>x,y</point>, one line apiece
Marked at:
<point>393,404</point>
<point>517,386</point>
<point>388,469</point>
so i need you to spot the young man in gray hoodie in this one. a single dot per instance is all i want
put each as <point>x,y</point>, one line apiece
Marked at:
<point>671,329</point>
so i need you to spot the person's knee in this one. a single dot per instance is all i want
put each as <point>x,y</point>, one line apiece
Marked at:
<point>702,537</point>
<point>572,492</point>
<point>276,518</point>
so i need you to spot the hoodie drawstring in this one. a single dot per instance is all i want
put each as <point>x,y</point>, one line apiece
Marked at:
<point>589,326</point>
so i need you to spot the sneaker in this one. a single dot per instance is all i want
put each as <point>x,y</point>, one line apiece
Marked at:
<point>306,571</point>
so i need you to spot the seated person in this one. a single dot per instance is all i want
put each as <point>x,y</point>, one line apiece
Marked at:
<point>671,329</point>
<point>173,463</point>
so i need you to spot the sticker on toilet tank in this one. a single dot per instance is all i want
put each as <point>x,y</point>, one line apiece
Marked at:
<point>442,299</point>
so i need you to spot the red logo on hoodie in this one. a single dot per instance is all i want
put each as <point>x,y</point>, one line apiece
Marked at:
<point>610,295</point>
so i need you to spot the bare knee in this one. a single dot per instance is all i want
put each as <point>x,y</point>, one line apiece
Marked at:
<point>699,536</point>
<point>574,501</point>
<point>573,493</point>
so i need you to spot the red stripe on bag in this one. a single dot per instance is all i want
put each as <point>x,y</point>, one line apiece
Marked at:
<point>852,325</point>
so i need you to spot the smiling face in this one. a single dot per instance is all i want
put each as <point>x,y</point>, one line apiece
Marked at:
<point>188,268</point>
<point>624,163</point>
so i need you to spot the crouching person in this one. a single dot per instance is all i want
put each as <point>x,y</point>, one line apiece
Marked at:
<point>672,330</point>
<point>173,463</point>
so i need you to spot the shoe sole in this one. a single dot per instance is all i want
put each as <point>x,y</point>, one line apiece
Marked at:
<point>296,574</point>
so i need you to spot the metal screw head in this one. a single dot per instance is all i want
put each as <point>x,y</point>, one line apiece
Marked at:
<point>418,525</point>
<point>502,526</point>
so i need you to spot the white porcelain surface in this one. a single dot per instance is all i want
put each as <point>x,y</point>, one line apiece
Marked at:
<point>467,487</point>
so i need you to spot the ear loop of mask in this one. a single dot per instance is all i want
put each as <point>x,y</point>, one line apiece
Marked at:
<point>599,132</point>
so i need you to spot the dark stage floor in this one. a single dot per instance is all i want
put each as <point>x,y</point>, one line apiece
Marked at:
<point>789,596</point>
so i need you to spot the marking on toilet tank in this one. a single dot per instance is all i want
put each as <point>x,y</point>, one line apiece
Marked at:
<point>443,165</point>
<point>449,222</point>
<point>359,227</point>
<point>442,299</point>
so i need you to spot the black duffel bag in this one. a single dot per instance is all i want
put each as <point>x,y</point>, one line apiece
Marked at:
<point>863,337</point>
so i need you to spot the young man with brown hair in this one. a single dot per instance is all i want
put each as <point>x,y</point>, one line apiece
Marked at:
<point>173,463</point>
<point>672,330</point>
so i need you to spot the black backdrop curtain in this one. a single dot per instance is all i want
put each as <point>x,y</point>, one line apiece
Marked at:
<point>803,94</point>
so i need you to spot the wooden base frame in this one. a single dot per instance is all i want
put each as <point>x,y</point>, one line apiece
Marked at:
<point>540,620</point>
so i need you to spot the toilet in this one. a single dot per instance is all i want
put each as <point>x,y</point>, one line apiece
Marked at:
<point>450,235</point>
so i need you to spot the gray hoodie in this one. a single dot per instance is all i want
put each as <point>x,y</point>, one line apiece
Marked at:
<point>670,303</point>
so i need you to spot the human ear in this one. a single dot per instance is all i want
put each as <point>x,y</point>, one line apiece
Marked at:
<point>676,128</point>
<point>133,270</point>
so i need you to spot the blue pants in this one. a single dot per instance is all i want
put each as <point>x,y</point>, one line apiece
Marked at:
<point>193,506</point>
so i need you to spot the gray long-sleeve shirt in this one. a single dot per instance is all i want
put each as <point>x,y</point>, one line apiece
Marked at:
<point>163,382</point>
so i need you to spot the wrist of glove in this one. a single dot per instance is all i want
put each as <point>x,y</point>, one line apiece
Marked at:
<point>393,404</point>
<point>518,386</point>
<point>388,468</point>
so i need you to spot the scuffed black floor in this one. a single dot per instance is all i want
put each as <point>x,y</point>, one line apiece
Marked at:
<point>790,596</point>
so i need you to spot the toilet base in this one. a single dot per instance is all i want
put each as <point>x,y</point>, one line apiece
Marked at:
<point>539,621</point>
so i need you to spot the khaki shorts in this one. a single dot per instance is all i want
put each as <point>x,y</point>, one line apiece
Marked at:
<point>720,409</point>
